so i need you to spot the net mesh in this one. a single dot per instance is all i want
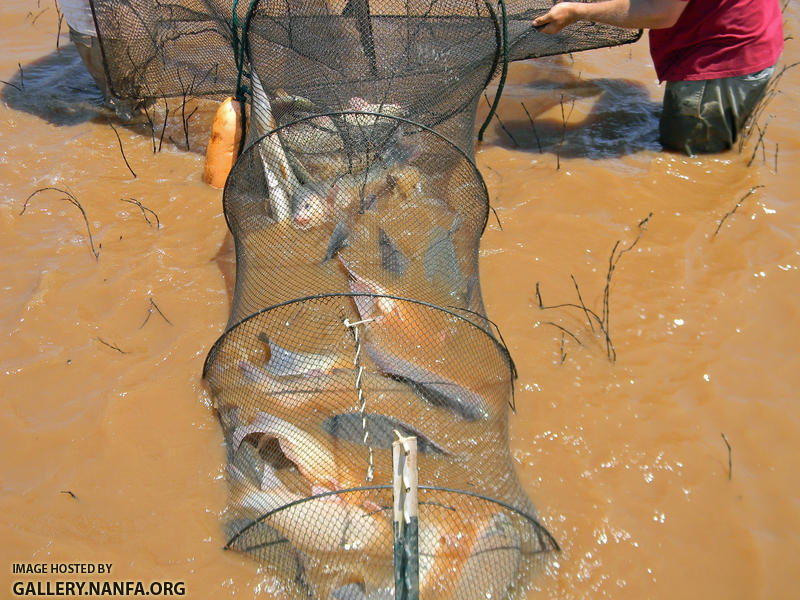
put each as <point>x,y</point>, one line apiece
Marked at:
<point>356,210</point>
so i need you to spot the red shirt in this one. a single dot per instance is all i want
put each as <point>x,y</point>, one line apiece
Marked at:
<point>718,38</point>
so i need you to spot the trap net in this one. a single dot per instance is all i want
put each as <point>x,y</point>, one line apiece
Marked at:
<point>356,210</point>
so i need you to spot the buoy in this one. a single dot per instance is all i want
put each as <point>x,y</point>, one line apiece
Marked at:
<point>223,146</point>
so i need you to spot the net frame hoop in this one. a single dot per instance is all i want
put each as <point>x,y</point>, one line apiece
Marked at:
<point>501,347</point>
<point>422,127</point>
<point>538,527</point>
<point>491,16</point>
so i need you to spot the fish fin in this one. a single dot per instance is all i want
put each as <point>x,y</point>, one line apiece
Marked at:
<point>332,194</point>
<point>350,427</point>
<point>472,287</point>
<point>457,223</point>
<point>254,373</point>
<point>434,389</point>
<point>440,260</point>
<point>338,240</point>
<point>392,258</point>
<point>399,153</point>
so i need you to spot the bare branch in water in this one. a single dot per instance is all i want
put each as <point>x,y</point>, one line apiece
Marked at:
<point>564,119</point>
<point>186,125</point>
<point>734,209</point>
<point>588,311</point>
<point>580,299</point>
<point>186,91</point>
<point>612,265</point>
<point>144,210</point>
<point>151,124</point>
<point>563,354</point>
<point>70,493</point>
<point>39,14</point>
<point>164,126</point>
<point>497,217</point>
<point>533,127</point>
<point>730,460</point>
<point>72,200</point>
<point>563,330</point>
<point>60,22</point>
<point>502,125</point>
<point>16,87</point>
<point>776,158</point>
<point>603,321</point>
<point>21,76</point>
<point>154,306</point>
<point>760,140</point>
<point>771,91</point>
<point>112,346</point>
<point>119,139</point>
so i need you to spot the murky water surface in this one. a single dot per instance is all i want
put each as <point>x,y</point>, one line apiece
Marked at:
<point>111,452</point>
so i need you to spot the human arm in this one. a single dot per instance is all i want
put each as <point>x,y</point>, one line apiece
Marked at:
<point>633,14</point>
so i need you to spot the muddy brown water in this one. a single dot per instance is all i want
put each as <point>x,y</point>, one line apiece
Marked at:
<point>111,452</point>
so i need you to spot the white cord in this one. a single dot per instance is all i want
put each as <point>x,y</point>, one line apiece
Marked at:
<point>362,402</point>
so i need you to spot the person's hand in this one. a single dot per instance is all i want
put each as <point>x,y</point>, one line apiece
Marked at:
<point>561,15</point>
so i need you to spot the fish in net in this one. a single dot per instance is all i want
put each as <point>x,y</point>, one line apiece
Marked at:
<point>357,211</point>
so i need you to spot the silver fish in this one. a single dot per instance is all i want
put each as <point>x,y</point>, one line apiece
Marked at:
<point>313,525</point>
<point>349,427</point>
<point>431,387</point>
<point>493,561</point>
<point>441,261</point>
<point>392,258</point>
<point>318,202</point>
<point>338,240</point>
<point>283,362</point>
<point>280,178</point>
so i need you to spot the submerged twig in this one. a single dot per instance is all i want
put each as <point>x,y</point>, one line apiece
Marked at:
<point>760,140</point>
<point>152,125</point>
<point>39,14</point>
<point>730,460</point>
<point>70,493</point>
<point>496,216</point>
<point>186,93</point>
<point>105,343</point>
<point>164,125</point>
<point>21,76</point>
<point>563,354</point>
<point>154,306</point>
<point>16,87</point>
<point>564,118</point>
<point>734,209</point>
<point>144,210</point>
<point>72,200</point>
<point>604,321</point>
<point>564,330</point>
<point>119,139</point>
<point>60,22</point>
<point>499,120</point>
<point>186,125</point>
<point>771,91</point>
<point>612,265</point>
<point>533,127</point>
<point>776,158</point>
<point>580,299</point>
